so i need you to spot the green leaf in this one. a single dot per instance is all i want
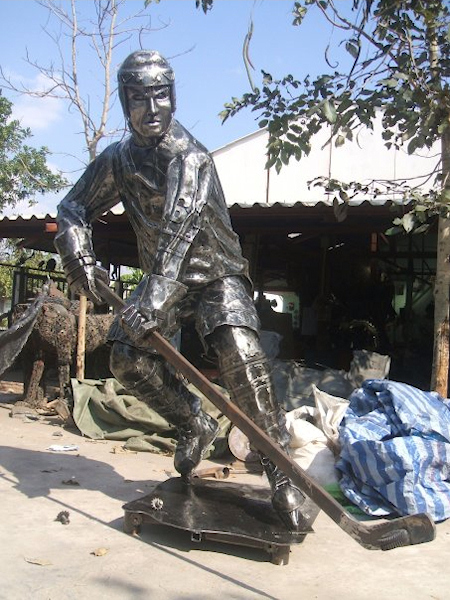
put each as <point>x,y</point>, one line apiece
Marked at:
<point>422,228</point>
<point>400,75</point>
<point>271,161</point>
<point>442,127</point>
<point>299,13</point>
<point>391,82</point>
<point>223,115</point>
<point>417,142</point>
<point>393,231</point>
<point>284,155</point>
<point>408,222</point>
<point>340,210</point>
<point>352,49</point>
<point>297,153</point>
<point>340,141</point>
<point>329,111</point>
<point>344,104</point>
<point>204,4</point>
<point>304,145</point>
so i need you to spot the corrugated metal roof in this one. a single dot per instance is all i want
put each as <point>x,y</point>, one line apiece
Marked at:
<point>30,217</point>
<point>324,203</point>
<point>119,210</point>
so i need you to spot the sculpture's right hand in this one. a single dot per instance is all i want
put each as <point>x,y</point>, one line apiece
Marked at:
<point>82,281</point>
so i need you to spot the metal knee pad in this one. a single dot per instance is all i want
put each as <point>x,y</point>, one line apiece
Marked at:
<point>148,377</point>
<point>246,374</point>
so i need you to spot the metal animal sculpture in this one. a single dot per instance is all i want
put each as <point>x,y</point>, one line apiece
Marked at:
<point>52,343</point>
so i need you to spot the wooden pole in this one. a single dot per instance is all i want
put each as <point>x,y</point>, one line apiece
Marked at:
<point>81,342</point>
<point>442,345</point>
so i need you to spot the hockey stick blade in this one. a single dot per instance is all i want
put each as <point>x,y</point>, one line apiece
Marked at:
<point>387,535</point>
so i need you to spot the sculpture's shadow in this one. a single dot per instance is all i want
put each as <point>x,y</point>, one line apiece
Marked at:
<point>38,474</point>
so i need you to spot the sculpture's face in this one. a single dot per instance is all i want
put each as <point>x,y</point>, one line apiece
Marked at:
<point>150,110</point>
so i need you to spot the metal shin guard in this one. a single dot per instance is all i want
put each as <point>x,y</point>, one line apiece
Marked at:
<point>246,374</point>
<point>149,379</point>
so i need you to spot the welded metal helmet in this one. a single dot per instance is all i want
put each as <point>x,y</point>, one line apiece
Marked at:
<point>147,68</point>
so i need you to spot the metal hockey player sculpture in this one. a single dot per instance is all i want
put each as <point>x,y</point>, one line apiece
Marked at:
<point>193,265</point>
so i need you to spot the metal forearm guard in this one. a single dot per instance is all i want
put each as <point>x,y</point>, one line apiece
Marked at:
<point>74,246</point>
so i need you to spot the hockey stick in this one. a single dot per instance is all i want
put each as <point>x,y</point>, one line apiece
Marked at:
<point>384,535</point>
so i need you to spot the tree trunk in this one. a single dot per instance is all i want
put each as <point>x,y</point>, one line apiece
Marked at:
<point>439,378</point>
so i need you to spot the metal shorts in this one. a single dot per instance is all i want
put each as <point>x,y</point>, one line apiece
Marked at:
<point>226,301</point>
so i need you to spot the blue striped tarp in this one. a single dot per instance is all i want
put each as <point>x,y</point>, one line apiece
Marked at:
<point>395,450</point>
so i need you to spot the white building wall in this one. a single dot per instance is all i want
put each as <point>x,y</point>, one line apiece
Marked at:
<point>245,181</point>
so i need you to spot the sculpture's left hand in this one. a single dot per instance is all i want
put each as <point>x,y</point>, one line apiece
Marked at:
<point>155,309</point>
<point>135,324</point>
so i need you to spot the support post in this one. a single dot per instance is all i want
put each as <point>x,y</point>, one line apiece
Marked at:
<point>81,340</point>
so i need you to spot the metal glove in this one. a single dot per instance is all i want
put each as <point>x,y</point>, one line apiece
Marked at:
<point>155,309</point>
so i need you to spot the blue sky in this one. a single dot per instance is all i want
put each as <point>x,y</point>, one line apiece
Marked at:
<point>205,52</point>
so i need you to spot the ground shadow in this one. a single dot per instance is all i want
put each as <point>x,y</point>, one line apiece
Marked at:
<point>35,474</point>
<point>39,472</point>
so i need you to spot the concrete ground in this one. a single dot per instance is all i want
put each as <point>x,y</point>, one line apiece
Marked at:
<point>91,557</point>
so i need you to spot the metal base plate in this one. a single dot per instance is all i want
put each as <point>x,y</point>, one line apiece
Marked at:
<point>226,512</point>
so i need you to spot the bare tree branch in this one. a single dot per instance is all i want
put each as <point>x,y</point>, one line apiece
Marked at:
<point>61,78</point>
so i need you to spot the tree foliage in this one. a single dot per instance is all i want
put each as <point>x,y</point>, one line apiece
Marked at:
<point>400,55</point>
<point>400,52</point>
<point>205,5</point>
<point>13,256</point>
<point>133,277</point>
<point>23,169</point>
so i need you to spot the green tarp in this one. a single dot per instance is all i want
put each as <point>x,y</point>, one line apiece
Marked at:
<point>103,409</point>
